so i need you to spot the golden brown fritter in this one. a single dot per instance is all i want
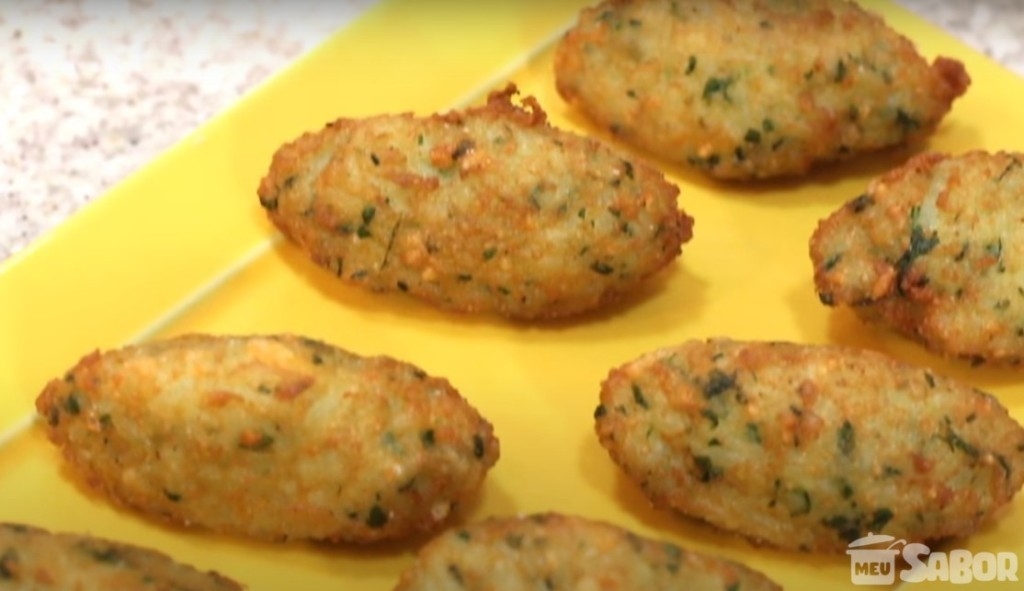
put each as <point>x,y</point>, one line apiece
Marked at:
<point>33,559</point>
<point>553,551</point>
<point>752,88</point>
<point>274,437</point>
<point>809,447</point>
<point>935,249</point>
<point>487,209</point>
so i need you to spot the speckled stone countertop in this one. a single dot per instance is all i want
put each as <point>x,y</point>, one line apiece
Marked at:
<point>93,89</point>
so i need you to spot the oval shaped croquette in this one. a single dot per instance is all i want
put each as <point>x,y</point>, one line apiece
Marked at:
<point>34,559</point>
<point>555,551</point>
<point>752,88</point>
<point>809,447</point>
<point>490,209</point>
<point>274,437</point>
<point>934,249</point>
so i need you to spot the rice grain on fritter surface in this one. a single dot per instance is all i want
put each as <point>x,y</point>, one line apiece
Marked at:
<point>550,551</point>
<point>752,88</point>
<point>809,447</point>
<point>490,209</point>
<point>935,249</point>
<point>273,437</point>
<point>34,559</point>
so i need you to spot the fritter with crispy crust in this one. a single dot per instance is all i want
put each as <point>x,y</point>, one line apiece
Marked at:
<point>274,437</point>
<point>809,447</point>
<point>33,559</point>
<point>935,249</point>
<point>752,88</point>
<point>553,551</point>
<point>487,209</point>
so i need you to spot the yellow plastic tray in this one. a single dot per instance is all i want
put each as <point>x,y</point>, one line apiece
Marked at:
<point>184,246</point>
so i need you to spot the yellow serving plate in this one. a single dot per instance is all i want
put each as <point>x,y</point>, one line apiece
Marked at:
<point>184,246</point>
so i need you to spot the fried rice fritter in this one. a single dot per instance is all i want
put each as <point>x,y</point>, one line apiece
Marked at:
<point>934,249</point>
<point>810,447</point>
<point>554,551</point>
<point>272,437</point>
<point>490,209</point>
<point>752,88</point>
<point>34,559</point>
